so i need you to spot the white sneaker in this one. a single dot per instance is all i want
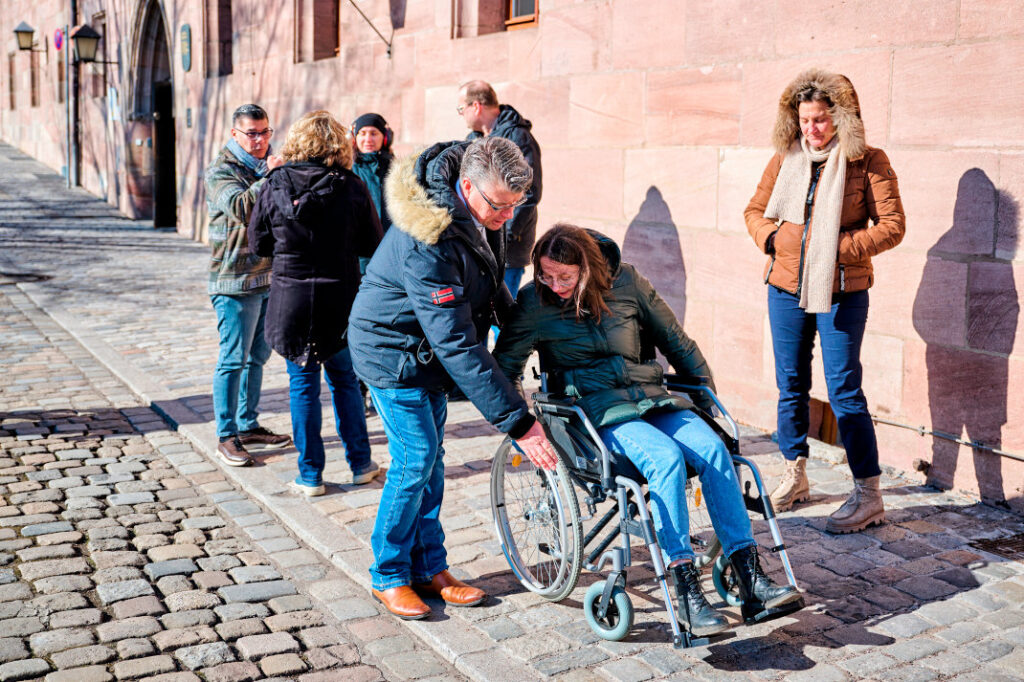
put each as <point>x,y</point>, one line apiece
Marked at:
<point>309,490</point>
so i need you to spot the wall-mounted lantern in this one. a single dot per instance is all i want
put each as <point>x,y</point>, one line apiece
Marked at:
<point>85,40</point>
<point>26,38</point>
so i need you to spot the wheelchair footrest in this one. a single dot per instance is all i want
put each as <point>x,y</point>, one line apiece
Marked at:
<point>686,641</point>
<point>777,612</point>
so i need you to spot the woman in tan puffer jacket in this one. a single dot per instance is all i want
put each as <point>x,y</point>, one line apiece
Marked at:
<point>826,204</point>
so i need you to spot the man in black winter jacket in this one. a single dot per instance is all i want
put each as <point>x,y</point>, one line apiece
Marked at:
<point>478,106</point>
<point>418,328</point>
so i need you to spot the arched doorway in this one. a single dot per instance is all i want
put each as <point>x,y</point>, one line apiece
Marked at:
<point>152,136</point>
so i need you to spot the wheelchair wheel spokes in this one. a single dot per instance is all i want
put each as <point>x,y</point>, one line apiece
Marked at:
<point>538,522</point>
<point>702,533</point>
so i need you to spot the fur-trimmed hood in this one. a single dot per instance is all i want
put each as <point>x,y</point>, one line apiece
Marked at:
<point>845,112</point>
<point>420,194</point>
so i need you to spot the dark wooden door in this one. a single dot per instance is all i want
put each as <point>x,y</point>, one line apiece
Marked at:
<point>165,194</point>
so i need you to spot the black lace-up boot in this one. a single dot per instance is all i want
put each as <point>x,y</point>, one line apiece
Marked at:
<point>695,613</point>
<point>758,593</point>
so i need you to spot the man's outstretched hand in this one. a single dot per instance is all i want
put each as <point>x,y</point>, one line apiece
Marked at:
<point>538,448</point>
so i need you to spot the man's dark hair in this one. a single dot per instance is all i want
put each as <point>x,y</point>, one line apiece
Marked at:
<point>253,111</point>
<point>480,91</point>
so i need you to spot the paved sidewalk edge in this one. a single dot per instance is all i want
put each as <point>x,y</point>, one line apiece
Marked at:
<point>448,638</point>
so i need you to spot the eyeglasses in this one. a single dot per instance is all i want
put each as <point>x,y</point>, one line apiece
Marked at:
<point>462,107</point>
<point>256,134</point>
<point>497,207</point>
<point>561,282</point>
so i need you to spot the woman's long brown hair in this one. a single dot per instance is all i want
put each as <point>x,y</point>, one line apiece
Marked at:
<point>571,245</point>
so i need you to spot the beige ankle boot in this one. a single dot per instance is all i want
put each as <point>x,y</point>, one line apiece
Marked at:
<point>862,509</point>
<point>793,487</point>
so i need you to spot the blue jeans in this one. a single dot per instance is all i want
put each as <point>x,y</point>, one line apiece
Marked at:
<point>661,445</point>
<point>307,416</point>
<point>841,331</point>
<point>513,276</point>
<point>243,352</point>
<point>408,541</point>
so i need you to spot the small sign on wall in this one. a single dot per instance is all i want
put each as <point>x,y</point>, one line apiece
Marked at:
<point>186,47</point>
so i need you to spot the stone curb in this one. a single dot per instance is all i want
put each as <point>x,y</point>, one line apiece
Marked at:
<point>449,638</point>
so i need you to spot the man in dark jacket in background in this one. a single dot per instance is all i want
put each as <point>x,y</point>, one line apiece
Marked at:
<point>419,327</point>
<point>478,106</point>
<point>238,284</point>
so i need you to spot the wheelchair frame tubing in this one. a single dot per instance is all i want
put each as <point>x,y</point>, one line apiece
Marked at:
<point>679,639</point>
<point>769,515</point>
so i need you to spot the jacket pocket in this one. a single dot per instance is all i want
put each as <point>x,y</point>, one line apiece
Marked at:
<point>768,271</point>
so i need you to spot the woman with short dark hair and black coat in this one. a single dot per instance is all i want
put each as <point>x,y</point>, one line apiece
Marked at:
<point>316,219</point>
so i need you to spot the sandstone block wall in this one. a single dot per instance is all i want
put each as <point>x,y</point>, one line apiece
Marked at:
<point>654,118</point>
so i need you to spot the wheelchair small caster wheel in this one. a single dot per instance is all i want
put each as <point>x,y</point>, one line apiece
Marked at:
<point>617,621</point>
<point>725,581</point>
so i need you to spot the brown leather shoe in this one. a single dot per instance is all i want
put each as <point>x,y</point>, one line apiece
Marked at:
<point>233,453</point>
<point>403,602</point>
<point>452,590</point>
<point>262,436</point>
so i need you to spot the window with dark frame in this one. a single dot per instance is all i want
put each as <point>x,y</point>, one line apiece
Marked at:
<point>98,77</point>
<point>34,79</point>
<point>520,14</point>
<point>326,29</point>
<point>317,29</point>
<point>61,78</point>
<point>217,28</point>
<point>10,81</point>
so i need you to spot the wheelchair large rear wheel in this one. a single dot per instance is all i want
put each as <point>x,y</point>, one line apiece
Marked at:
<point>702,534</point>
<point>537,517</point>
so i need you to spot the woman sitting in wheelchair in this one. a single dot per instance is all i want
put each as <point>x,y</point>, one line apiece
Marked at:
<point>595,321</point>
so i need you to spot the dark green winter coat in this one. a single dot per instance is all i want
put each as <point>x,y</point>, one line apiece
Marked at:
<point>607,366</point>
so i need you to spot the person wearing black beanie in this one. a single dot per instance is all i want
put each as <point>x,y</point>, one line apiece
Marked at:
<point>372,138</point>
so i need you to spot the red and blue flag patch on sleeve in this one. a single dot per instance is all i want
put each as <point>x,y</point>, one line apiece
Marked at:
<point>442,296</point>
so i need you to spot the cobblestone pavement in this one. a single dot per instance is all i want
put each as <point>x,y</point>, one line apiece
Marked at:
<point>125,554</point>
<point>911,600</point>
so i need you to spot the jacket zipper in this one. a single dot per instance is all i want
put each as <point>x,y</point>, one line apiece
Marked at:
<point>807,227</point>
<point>842,277</point>
<point>770,266</point>
<point>480,254</point>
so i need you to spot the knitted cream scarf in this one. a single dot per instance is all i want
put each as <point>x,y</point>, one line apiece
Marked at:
<point>788,202</point>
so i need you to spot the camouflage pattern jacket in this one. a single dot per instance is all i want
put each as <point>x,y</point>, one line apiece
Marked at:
<point>231,191</point>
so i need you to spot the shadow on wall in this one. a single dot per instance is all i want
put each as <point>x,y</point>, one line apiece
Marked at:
<point>652,245</point>
<point>966,311</point>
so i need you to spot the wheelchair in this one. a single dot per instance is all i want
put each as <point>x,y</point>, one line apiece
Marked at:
<point>540,527</point>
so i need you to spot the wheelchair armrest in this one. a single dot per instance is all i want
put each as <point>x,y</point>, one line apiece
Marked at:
<point>554,404</point>
<point>553,398</point>
<point>680,383</point>
<point>695,385</point>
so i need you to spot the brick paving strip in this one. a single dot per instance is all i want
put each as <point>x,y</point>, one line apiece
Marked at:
<point>126,555</point>
<point>907,601</point>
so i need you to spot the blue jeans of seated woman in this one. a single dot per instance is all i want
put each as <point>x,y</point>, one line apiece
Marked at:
<point>307,416</point>
<point>407,540</point>
<point>661,445</point>
<point>841,331</point>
